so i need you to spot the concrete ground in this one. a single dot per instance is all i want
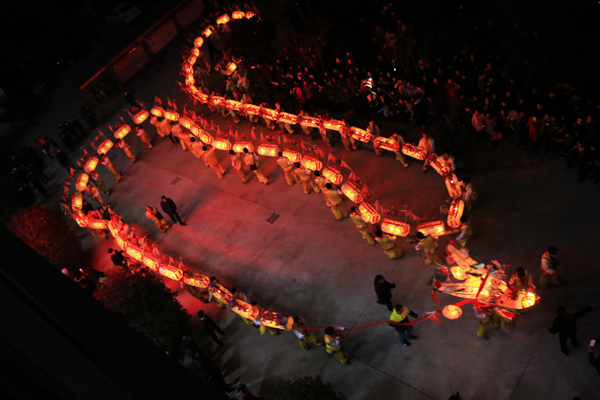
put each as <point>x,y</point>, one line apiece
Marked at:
<point>306,263</point>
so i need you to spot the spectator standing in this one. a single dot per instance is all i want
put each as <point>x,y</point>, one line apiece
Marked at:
<point>566,326</point>
<point>168,206</point>
<point>209,327</point>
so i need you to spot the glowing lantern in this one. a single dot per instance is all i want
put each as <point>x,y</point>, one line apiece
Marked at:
<point>332,124</point>
<point>172,115</point>
<point>311,163</point>
<point>238,15</point>
<point>208,31</point>
<point>459,273</point>
<point>352,192</point>
<point>413,151</point>
<point>157,111</point>
<point>222,144</point>
<point>233,105</point>
<point>484,293</point>
<point>455,212</point>
<point>199,41</point>
<point>97,223</point>
<point>251,109</point>
<point>268,113</point>
<point>76,201</point>
<point>293,156</point>
<point>202,97</point>
<point>396,228</point>
<point>195,129</point>
<point>439,165</point>
<point>217,101</point>
<point>221,293</point>
<point>91,164</point>
<point>369,213</point>
<point>82,181</point>
<point>311,122</point>
<point>453,186</point>
<point>386,143</point>
<point>332,175</point>
<point>360,134</point>
<point>276,320</point>
<point>267,149</point>
<point>289,118</point>
<point>197,280</point>
<point>249,14</point>
<point>187,68</point>
<point>135,252</point>
<point>189,80</point>
<point>113,227</point>
<point>195,53</point>
<point>223,19</point>
<point>80,218</point>
<point>528,300</point>
<point>186,122</point>
<point>238,147</point>
<point>105,146</point>
<point>205,137</point>
<point>124,129</point>
<point>192,58</point>
<point>244,309</point>
<point>151,261</point>
<point>171,272</point>
<point>121,242</point>
<point>139,118</point>
<point>433,228</point>
<point>452,312</point>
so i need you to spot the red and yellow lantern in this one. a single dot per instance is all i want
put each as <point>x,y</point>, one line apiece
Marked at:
<point>276,320</point>
<point>105,146</point>
<point>221,293</point>
<point>269,150</point>
<point>413,151</point>
<point>157,111</point>
<point>384,143</point>
<point>196,280</point>
<point>439,165</point>
<point>238,15</point>
<point>239,147</point>
<point>91,164</point>
<point>311,122</point>
<point>292,155</point>
<point>249,14</point>
<point>208,31</point>
<point>195,52</point>
<point>172,115</point>
<point>251,109</point>
<point>80,218</point>
<point>205,137</point>
<point>528,300</point>
<point>433,228</point>
<point>135,252</point>
<point>396,228</point>
<point>360,134</point>
<point>231,66</point>
<point>217,101</point>
<point>332,124</point>
<point>455,212</point>
<point>459,273</point>
<point>195,129</point>
<point>369,213</point>
<point>452,312</point>
<point>140,117</point>
<point>121,241</point>
<point>222,144</point>
<point>151,261</point>
<point>186,122</point>
<point>171,272</point>
<point>268,113</point>
<point>244,309</point>
<point>453,186</point>
<point>332,175</point>
<point>352,192</point>
<point>199,41</point>
<point>223,19</point>
<point>124,130</point>
<point>201,97</point>
<point>311,163</point>
<point>289,118</point>
<point>233,105</point>
<point>82,181</point>
<point>97,223</point>
<point>113,227</point>
<point>76,201</point>
<point>189,80</point>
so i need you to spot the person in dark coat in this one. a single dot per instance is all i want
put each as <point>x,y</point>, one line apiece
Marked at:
<point>566,326</point>
<point>383,289</point>
<point>130,98</point>
<point>593,360</point>
<point>209,326</point>
<point>170,208</point>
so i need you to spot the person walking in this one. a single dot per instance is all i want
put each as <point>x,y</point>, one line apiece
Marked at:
<point>333,343</point>
<point>305,176</point>
<point>126,149</point>
<point>336,202</point>
<point>104,160</point>
<point>197,149</point>
<point>288,169</point>
<point>305,336</point>
<point>566,326</point>
<point>360,225</point>
<point>141,133</point>
<point>383,290</point>
<point>401,314</point>
<point>237,162</point>
<point>469,193</point>
<point>210,327</point>
<point>387,244</point>
<point>550,274</point>
<point>429,244</point>
<point>99,182</point>
<point>211,159</point>
<point>170,208</point>
<point>156,217</point>
<point>426,143</point>
<point>399,156</point>
<point>251,159</point>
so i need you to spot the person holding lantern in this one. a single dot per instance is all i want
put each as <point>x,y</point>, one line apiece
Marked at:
<point>520,280</point>
<point>374,131</point>
<point>178,133</point>
<point>321,182</point>
<point>283,126</point>
<point>429,244</point>
<point>387,244</point>
<point>399,156</point>
<point>251,159</point>
<point>308,131</point>
<point>550,274</point>
<point>400,314</point>
<point>95,193</point>
<point>360,224</point>
<point>141,133</point>
<point>449,161</point>
<point>465,231</point>
<point>165,127</point>
<point>125,147</point>
<point>324,134</point>
<point>305,176</point>
<point>336,202</point>
<point>333,343</point>
<point>426,143</point>
<point>246,99</point>
<point>156,122</point>
<point>99,182</point>
<point>104,160</point>
<point>211,159</point>
<point>469,194</point>
<point>303,335</point>
<point>237,163</point>
<point>156,217</point>
<point>213,287</point>
<point>347,139</point>
<point>197,149</point>
<point>288,169</point>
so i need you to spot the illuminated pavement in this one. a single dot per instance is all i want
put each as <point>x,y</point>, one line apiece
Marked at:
<point>308,264</point>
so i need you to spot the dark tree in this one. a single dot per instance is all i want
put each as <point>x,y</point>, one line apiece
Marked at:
<point>306,388</point>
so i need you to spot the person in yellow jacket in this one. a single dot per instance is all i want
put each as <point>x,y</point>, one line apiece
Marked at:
<point>485,316</point>
<point>321,182</point>
<point>550,273</point>
<point>336,202</point>
<point>196,149</point>
<point>156,217</point>
<point>126,149</point>
<point>211,159</point>
<point>246,99</point>
<point>141,133</point>
<point>465,232</point>
<point>374,131</point>
<point>99,182</point>
<point>156,122</point>
<point>251,159</point>
<point>429,244</point>
<point>305,176</point>
<point>95,193</point>
<point>177,132</point>
<point>325,135</point>
<point>387,244</point>
<point>104,160</point>
<point>469,193</point>
<point>283,126</point>
<point>426,143</point>
<point>165,127</point>
<point>305,336</point>
<point>288,169</point>
<point>347,139</point>
<point>237,162</point>
<point>399,156</point>
<point>333,343</point>
<point>361,225</point>
<point>400,314</point>
<point>308,131</point>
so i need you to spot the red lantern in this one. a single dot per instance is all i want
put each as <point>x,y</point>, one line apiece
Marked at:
<point>452,312</point>
<point>268,113</point>
<point>222,144</point>
<point>195,52</point>
<point>360,134</point>
<point>80,218</point>
<point>217,101</point>
<point>82,181</point>
<point>395,228</point>
<point>267,149</point>
<point>386,143</point>
<point>91,164</point>
<point>414,151</point>
<point>171,272</point>
<point>151,261</point>
<point>433,228</point>
<point>195,129</point>
<point>189,80</point>
<point>369,213</point>
<point>199,41</point>
<point>208,31</point>
<point>231,66</point>
<point>125,129</point>
<point>223,19</point>
<point>157,111</point>
<point>311,122</point>
<point>121,242</point>
<point>249,14</point>
<point>76,201</point>
<point>438,164</point>
<point>233,105</point>
<point>139,117</point>
<point>105,146</point>
<point>332,124</point>
<point>135,252</point>
<point>528,300</point>
<point>205,137</point>
<point>113,227</point>
<point>332,175</point>
<point>311,163</point>
<point>352,192</point>
<point>244,309</point>
<point>239,147</point>
<point>197,280</point>
<point>186,122</point>
<point>455,212</point>
<point>251,109</point>
<point>238,15</point>
<point>276,320</point>
<point>172,115</point>
<point>221,293</point>
<point>293,156</point>
<point>289,118</point>
<point>453,186</point>
<point>97,223</point>
<point>459,273</point>
<point>201,97</point>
